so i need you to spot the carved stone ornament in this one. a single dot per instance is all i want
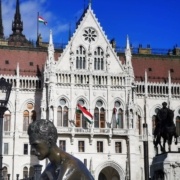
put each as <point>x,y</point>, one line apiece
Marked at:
<point>89,35</point>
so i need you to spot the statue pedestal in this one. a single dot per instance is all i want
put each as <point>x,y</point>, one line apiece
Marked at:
<point>166,166</point>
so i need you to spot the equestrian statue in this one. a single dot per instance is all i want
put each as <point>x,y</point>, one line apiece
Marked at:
<point>164,128</point>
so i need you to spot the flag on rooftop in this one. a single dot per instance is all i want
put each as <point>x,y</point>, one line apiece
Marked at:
<point>42,20</point>
<point>88,116</point>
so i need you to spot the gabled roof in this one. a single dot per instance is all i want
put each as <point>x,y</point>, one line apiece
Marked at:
<point>88,23</point>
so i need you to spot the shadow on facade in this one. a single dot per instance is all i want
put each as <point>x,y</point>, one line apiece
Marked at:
<point>157,171</point>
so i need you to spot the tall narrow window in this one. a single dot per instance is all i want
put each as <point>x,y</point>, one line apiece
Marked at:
<point>98,59</point>
<point>29,115</point>
<point>118,147</point>
<point>25,172</point>
<point>120,118</point>
<point>102,118</point>
<point>81,58</point>
<point>138,123</point>
<point>26,121</point>
<point>65,117</point>
<point>62,113</point>
<point>59,116</point>
<point>81,146</point>
<point>99,146</point>
<point>6,148</point>
<point>25,150</point>
<point>81,120</point>
<point>7,121</point>
<point>99,115</point>
<point>96,118</point>
<point>117,115</point>
<point>5,173</point>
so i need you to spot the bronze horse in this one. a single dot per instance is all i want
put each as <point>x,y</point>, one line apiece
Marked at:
<point>166,130</point>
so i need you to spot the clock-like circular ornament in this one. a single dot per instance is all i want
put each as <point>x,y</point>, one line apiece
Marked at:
<point>89,35</point>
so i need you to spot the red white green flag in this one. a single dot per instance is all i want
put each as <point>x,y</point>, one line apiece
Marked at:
<point>42,20</point>
<point>88,116</point>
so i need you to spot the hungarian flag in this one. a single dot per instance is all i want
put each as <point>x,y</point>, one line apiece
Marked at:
<point>42,20</point>
<point>88,116</point>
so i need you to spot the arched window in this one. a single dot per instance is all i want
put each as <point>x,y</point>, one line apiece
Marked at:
<point>138,123</point>
<point>96,117</point>
<point>25,172</point>
<point>26,120</point>
<point>81,58</point>
<point>80,118</point>
<point>5,173</point>
<point>99,115</point>
<point>98,59</point>
<point>117,115</point>
<point>62,113</point>
<point>31,171</point>
<point>120,118</point>
<point>29,115</point>
<point>7,121</point>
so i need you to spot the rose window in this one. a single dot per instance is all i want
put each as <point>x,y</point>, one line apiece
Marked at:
<point>90,35</point>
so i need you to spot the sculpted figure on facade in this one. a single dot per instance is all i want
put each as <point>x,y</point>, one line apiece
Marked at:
<point>72,58</point>
<point>63,166</point>
<point>90,60</point>
<point>108,62</point>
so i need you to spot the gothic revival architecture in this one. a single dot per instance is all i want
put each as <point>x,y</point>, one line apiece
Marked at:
<point>122,90</point>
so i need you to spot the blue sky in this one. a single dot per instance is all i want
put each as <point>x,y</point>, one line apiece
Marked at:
<point>146,22</point>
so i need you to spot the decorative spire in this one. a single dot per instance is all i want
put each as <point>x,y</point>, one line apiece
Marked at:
<point>128,53</point>
<point>1,24</point>
<point>128,48</point>
<point>50,39</point>
<point>50,49</point>
<point>90,3</point>
<point>17,25</point>
<point>17,38</point>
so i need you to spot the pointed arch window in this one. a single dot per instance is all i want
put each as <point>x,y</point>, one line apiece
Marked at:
<point>62,113</point>
<point>29,115</point>
<point>81,58</point>
<point>80,118</point>
<point>5,173</point>
<point>99,115</point>
<point>31,171</point>
<point>7,121</point>
<point>98,59</point>
<point>117,115</point>
<point>25,172</point>
<point>138,123</point>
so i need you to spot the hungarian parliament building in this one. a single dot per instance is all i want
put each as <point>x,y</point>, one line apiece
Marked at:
<point>121,88</point>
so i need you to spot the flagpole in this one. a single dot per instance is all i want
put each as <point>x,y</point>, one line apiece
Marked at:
<point>37,25</point>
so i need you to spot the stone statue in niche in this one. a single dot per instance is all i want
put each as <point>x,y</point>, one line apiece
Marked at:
<point>63,166</point>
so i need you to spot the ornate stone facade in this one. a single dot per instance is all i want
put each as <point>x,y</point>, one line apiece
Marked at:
<point>107,84</point>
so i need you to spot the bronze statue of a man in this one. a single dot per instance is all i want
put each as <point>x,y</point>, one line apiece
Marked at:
<point>62,166</point>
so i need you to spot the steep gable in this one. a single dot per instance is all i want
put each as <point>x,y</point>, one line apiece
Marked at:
<point>89,49</point>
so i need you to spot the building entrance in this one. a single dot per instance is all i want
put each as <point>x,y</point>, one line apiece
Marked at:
<point>109,173</point>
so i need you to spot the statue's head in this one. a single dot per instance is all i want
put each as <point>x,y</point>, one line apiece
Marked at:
<point>164,104</point>
<point>42,136</point>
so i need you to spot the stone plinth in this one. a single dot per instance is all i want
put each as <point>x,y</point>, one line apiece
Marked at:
<point>166,166</point>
